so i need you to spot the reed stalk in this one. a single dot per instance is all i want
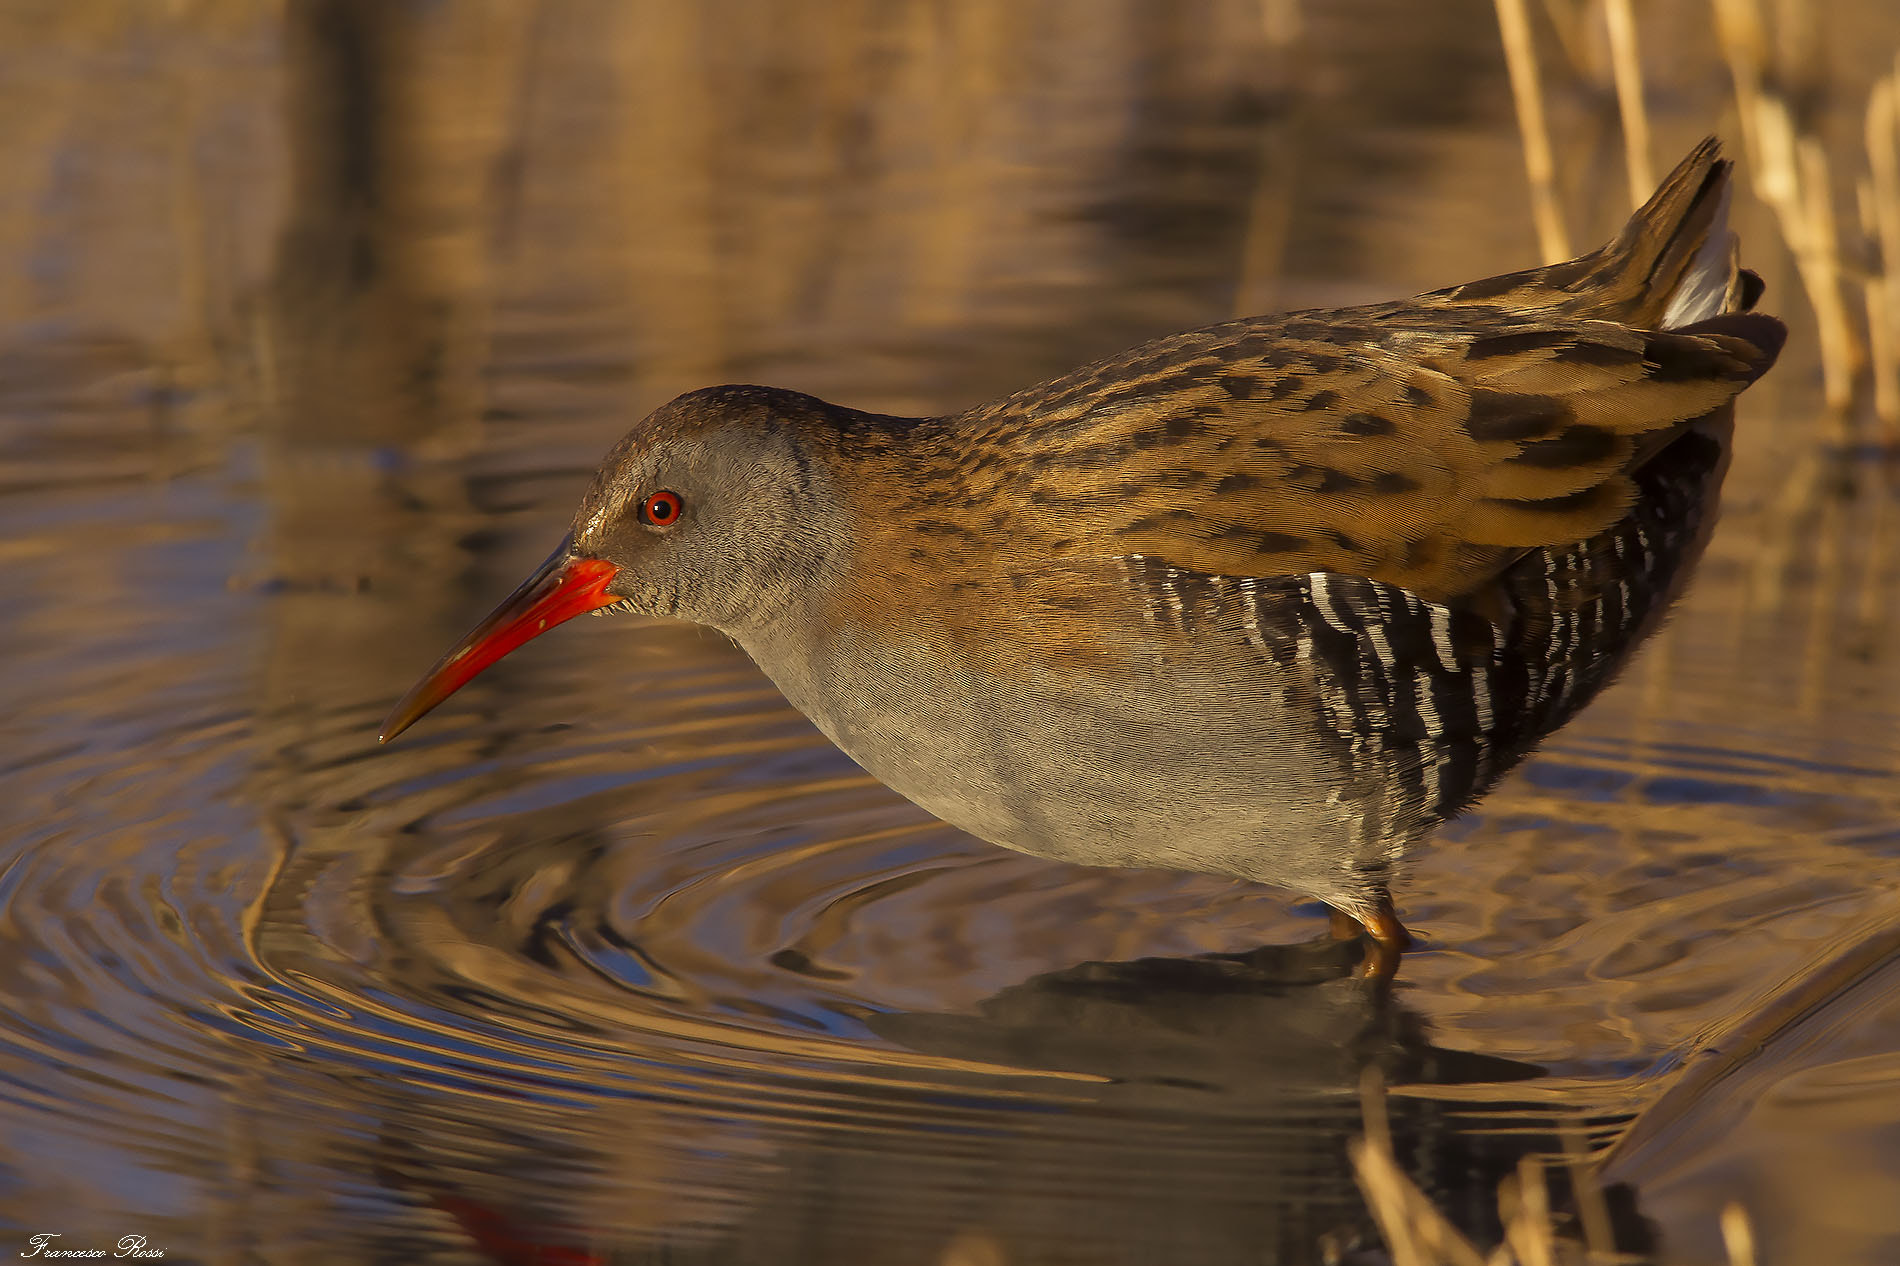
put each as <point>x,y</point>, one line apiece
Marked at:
<point>1790,173</point>
<point>1270,210</point>
<point>1415,1232</point>
<point>1527,92</point>
<point>1738,29</point>
<point>1593,1211</point>
<point>1524,1204</point>
<point>1737,1236</point>
<point>1627,66</point>
<point>1881,213</point>
<point>1822,273</point>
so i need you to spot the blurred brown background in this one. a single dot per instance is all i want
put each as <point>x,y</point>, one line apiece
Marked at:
<point>315,315</point>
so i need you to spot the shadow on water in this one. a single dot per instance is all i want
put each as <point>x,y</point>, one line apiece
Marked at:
<point>314,319</point>
<point>1205,1118</point>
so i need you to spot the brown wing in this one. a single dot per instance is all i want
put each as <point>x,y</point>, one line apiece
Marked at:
<point>1424,444</point>
<point>1383,443</point>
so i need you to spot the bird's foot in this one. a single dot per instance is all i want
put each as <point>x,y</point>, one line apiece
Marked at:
<point>1386,938</point>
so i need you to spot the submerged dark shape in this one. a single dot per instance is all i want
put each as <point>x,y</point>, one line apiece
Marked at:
<point>1270,599</point>
<point>1288,1040</point>
<point>1194,1110</point>
<point>1276,1024</point>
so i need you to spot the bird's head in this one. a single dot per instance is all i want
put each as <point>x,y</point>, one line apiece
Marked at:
<point>717,508</point>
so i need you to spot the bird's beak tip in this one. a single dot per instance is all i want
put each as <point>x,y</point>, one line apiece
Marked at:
<point>560,589</point>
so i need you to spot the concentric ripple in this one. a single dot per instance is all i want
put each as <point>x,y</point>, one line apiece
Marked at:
<point>655,972</point>
<point>617,951</point>
<point>616,955</point>
<point>613,957</point>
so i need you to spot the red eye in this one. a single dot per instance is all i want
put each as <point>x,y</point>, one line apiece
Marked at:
<point>662,509</point>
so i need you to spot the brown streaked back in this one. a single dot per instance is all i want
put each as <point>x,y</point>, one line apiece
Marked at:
<point>1410,451</point>
<point>1424,444</point>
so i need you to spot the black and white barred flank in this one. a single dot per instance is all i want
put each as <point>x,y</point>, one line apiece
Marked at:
<point>1440,697</point>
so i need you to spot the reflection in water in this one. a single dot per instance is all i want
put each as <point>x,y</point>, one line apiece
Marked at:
<point>1279,1021</point>
<point>1211,1128</point>
<point>313,321</point>
<point>1808,1077</point>
<point>1208,1122</point>
<point>1280,1038</point>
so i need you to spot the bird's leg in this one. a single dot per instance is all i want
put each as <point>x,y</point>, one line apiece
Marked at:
<point>1382,924</point>
<point>1380,921</point>
<point>1380,963</point>
<point>1387,937</point>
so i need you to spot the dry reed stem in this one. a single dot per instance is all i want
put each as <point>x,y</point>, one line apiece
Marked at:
<point>1790,174</point>
<point>1881,337</point>
<point>1882,211</point>
<point>1520,56</point>
<point>1270,211</point>
<point>1524,1206</point>
<point>1384,1184</point>
<point>1737,1236</point>
<point>1416,1233</point>
<point>1821,270</point>
<point>1745,47</point>
<point>1627,66</point>
<point>1593,1211</point>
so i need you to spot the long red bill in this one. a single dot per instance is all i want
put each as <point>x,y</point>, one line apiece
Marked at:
<point>560,589</point>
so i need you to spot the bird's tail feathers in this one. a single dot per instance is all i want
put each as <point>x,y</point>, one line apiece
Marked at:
<point>1676,260</point>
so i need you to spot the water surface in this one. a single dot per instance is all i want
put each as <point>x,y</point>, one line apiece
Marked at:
<point>314,322</point>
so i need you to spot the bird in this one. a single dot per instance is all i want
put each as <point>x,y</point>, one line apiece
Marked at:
<point>1272,599</point>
